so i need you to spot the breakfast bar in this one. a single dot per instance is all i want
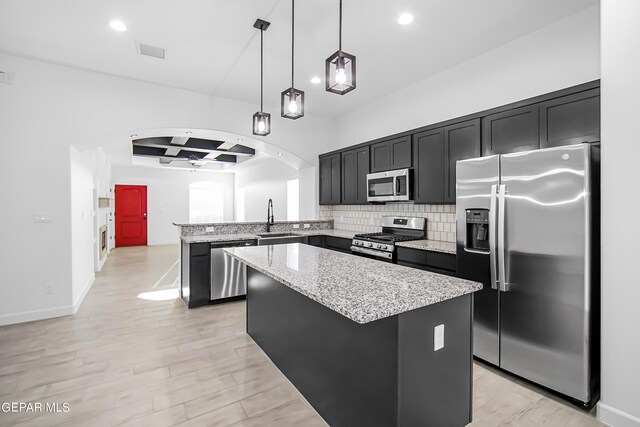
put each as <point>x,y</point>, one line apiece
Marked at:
<point>367,343</point>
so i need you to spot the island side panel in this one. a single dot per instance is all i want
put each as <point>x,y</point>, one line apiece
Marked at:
<point>436,385</point>
<point>347,371</point>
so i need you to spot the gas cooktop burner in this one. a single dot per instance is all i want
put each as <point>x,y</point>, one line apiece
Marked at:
<point>382,245</point>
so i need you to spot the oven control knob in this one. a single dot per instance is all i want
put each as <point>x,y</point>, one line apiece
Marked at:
<point>370,245</point>
<point>383,246</point>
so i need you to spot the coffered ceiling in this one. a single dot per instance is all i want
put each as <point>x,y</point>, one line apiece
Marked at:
<point>212,47</point>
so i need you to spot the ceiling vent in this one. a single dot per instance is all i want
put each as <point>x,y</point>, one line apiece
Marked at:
<point>148,50</point>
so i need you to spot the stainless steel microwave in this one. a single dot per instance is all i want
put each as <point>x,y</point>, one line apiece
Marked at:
<point>390,186</point>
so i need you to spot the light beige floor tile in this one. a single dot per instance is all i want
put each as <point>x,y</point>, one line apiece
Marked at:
<point>123,359</point>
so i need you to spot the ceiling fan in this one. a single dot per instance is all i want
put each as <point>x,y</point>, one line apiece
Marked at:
<point>194,160</point>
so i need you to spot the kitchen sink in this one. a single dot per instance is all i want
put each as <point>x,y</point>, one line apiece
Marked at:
<point>275,235</point>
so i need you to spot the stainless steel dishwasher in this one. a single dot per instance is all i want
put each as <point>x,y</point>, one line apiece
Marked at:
<point>228,275</point>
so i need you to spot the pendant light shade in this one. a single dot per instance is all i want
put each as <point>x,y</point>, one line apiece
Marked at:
<point>340,68</point>
<point>292,99</point>
<point>261,120</point>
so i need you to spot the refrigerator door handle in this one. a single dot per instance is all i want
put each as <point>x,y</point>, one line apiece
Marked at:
<point>493,215</point>
<point>502,280</point>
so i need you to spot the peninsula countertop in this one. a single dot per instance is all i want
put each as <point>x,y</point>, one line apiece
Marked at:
<point>208,238</point>
<point>359,288</point>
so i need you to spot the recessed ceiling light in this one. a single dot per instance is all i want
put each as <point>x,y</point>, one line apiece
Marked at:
<point>405,19</point>
<point>279,154</point>
<point>118,25</point>
<point>134,135</point>
<point>189,132</point>
<point>240,139</point>
<point>315,80</point>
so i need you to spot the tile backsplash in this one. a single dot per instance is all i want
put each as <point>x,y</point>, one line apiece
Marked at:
<point>441,219</point>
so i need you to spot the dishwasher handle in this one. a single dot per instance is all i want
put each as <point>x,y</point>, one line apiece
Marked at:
<point>233,244</point>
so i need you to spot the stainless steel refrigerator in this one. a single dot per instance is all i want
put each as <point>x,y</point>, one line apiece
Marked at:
<point>528,228</point>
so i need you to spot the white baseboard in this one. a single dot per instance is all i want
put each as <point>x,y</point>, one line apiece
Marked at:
<point>47,313</point>
<point>30,316</point>
<point>615,417</point>
<point>78,301</point>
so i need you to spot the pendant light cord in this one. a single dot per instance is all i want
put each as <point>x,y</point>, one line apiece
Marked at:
<point>261,67</point>
<point>340,31</point>
<point>292,38</point>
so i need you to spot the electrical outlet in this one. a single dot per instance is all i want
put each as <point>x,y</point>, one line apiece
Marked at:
<point>48,288</point>
<point>209,229</point>
<point>438,337</point>
<point>296,225</point>
<point>307,226</point>
<point>6,77</point>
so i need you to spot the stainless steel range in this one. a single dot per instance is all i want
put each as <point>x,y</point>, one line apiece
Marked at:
<point>395,229</point>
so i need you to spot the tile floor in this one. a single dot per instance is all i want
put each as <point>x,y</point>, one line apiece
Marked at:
<point>134,355</point>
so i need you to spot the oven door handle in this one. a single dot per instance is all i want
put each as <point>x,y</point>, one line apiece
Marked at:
<point>377,254</point>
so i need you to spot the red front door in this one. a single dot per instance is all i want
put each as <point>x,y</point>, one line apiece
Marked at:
<point>131,215</point>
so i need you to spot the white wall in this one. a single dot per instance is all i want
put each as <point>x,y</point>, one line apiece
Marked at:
<point>83,233</point>
<point>563,54</point>
<point>265,180</point>
<point>620,403</point>
<point>50,107</point>
<point>168,197</point>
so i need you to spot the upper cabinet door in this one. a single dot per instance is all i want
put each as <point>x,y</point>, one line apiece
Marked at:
<point>400,149</point>
<point>429,163</point>
<point>511,131</point>
<point>355,167</point>
<point>391,154</point>
<point>330,179</point>
<point>461,141</point>
<point>572,119</point>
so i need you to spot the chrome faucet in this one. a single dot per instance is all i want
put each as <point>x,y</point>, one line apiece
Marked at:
<point>269,215</point>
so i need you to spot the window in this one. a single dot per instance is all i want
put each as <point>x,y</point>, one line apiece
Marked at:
<point>293,200</point>
<point>206,202</point>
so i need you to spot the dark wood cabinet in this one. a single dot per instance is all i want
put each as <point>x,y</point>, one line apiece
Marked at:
<point>339,244</point>
<point>461,141</point>
<point>316,241</point>
<point>436,262</point>
<point>330,179</point>
<point>429,166</point>
<point>391,154</point>
<point>195,282</point>
<point>571,119</point>
<point>355,167</point>
<point>564,117</point>
<point>511,131</point>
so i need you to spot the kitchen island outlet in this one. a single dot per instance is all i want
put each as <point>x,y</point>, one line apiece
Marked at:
<point>367,343</point>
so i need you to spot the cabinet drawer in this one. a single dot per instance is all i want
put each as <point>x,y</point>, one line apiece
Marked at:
<point>337,244</point>
<point>427,260</point>
<point>199,249</point>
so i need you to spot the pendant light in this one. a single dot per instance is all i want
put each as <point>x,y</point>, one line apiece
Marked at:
<point>292,99</point>
<point>261,120</point>
<point>340,68</point>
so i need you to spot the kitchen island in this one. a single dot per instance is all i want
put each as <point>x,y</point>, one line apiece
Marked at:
<point>367,343</point>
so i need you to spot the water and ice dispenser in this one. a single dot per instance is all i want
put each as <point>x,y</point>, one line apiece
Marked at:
<point>477,230</point>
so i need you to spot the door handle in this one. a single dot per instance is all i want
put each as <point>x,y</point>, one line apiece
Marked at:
<point>493,216</point>
<point>502,281</point>
<point>397,185</point>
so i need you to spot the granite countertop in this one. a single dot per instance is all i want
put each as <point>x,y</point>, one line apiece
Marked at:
<point>213,224</point>
<point>207,238</point>
<point>430,245</point>
<point>359,288</point>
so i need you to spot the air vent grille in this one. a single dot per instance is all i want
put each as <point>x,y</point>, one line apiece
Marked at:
<point>148,50</point>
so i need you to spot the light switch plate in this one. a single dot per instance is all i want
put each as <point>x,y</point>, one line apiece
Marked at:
<point>42,217</point>
<point>209,229</point>
<point>296,225</point>
<point>438,337</point>
<point>307,226</point>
